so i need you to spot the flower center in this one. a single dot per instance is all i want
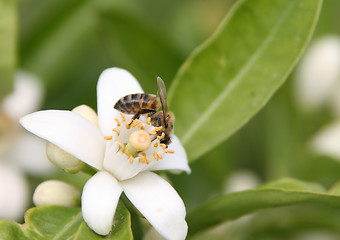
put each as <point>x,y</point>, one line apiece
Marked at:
<point>140,140</point>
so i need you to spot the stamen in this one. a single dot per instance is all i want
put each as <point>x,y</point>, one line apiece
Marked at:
<point>162,136</point>
<point>158,128</point>
<point>116,130</point>
<point>163,146</point>
<point>129,122</point>
<point>155,155</point>
<point>143,158</point>
<point>127,126</point>
<point>122,146</point>
<point>152,133</point>
<point>108,137</point>
<point>129,155</point>
<point>156,144</point>
<point>123,117</point>
<point>135,123</point>
<point>140,125</point>
<point>168,150</point>
<point>118,123</point>
<point>148,120</point>
<point>160,156</point>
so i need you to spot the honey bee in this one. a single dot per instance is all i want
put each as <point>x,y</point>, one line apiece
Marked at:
<point>141,103</point>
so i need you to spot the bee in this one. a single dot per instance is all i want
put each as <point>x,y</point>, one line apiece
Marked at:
<point>148,104</point>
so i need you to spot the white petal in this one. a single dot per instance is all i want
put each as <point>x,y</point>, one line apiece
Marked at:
<point>99,202</point>
<point>327,141</point>
<point>14,193</point>
<point>175,161</point>
<point>69,131</point>
<point>159,203</point>
<point>113,84</point>
<point>25,98</point>
<point>118,163</point>
<point>318,72</point>
<point>29,153</point>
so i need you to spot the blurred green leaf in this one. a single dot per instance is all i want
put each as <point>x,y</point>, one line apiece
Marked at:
<point>8,46</point>
<point>135,45</point>
<point>55,222</point>
<point>283,192</point>
<point>231,76</point>
<point>56,35</point>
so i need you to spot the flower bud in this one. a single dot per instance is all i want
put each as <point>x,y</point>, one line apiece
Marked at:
<point>62,159</point>
<point>87,112</point>
<point>54,192</point>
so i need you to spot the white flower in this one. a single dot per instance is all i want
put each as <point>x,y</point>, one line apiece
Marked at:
<point>14,192</point>
<point>17,146</point>
<point>318,76</point>
<point>104,148</point>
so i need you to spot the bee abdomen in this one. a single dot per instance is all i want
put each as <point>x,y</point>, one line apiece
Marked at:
<point>133,103</point>
<point>150,101</point>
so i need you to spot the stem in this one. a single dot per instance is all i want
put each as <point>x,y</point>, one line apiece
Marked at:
<point>89,170</point>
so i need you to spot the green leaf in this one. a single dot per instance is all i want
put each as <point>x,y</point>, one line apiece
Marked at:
<point>11,230</point>
<point>8,40</point>
<point>284,192</point>
<point>232,75</point>
<point>56,222</point>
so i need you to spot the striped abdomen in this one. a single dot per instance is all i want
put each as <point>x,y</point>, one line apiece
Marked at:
<point>134,103</point>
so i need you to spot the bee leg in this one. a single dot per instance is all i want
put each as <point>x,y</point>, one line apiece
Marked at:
<point>141,112</point>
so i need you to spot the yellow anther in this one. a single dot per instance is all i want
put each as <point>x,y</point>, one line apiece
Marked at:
<point>163,146</point>
<point>140,125</point>
<point>127,126</point>
<point>162,136</point>
<point>143,158</point>
<point>155,155</point>
<point>156,144</point>
<point>118,123</point>
<point>135,123</point>
<point>108,137</point>
<point>158,128</point>
<point>152,133</point>
<point>160,156</point>
<point>129,122</point>
<point>169,151</point>
<point>116,130</point>
<point>148,120</point>
<point>123,117</point>
<point>129,155</point>
<point>122,146</point>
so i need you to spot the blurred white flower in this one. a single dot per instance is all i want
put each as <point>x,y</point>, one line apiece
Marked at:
<point>241,180</point>
<point>16,145</point>
<point>327,140</point>
<point>318,85</point>
<point>318,75</point>
<point>14,192</point>
<point>20,152</point>
<point>124,156</point>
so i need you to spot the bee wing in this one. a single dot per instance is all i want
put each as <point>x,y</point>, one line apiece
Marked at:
<point>162,97</point>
